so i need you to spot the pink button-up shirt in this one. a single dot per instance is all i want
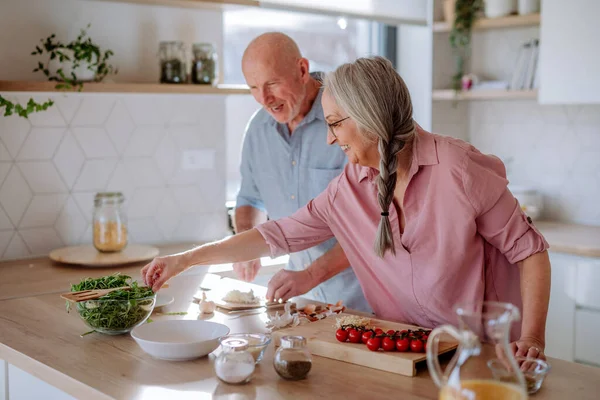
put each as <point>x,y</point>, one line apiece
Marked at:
<point>464,232</point>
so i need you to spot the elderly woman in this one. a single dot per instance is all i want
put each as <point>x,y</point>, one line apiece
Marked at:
<point>426,221</point>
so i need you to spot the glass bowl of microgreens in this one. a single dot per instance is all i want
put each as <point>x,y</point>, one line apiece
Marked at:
<point>117,312</point>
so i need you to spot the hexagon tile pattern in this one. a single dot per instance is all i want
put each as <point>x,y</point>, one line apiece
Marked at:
<point>52,165</point>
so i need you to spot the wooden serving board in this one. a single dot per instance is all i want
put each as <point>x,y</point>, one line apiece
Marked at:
<point>321,341</point>
<point>87,255</point>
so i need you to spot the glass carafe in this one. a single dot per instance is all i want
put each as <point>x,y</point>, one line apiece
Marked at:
<point>483,339</point>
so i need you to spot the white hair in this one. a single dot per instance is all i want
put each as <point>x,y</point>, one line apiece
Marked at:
<point>372,93</point>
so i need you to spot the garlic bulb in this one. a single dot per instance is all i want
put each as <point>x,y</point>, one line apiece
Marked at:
<point>206,307</point>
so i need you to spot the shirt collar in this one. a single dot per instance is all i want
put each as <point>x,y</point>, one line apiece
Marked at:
<point>424,153</point>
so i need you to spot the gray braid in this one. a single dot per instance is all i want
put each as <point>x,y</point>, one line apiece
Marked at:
<point>377,99</point>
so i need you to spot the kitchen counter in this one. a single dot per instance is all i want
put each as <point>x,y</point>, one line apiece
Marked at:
<point>580,240</point>
<point>40,338</point>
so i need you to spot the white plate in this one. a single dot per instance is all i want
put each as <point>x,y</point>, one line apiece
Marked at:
<point>163,300</point>
<point>179,340</point>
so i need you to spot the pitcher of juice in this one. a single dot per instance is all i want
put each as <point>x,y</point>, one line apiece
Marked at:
<point>483,335</point>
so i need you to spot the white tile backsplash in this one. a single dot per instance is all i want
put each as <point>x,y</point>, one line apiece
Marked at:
<point>41,143</point>
<point>94,142</point>
<point>69,159</point>
<point>553,149</point>
<point>16,248</point>
<point>43,210</point>
<point>15,195</point>
<point>13,132</point>
<point>42,176</point>
<point>50,117</point>
<point>52,166</point>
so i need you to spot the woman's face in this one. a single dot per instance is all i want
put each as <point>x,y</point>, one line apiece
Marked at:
<point>358,149</point>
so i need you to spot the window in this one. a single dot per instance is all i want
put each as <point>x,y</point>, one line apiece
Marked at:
<point>325,41</point>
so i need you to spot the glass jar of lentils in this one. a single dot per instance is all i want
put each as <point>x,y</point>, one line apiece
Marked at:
<point>205,64</point>
<point>110,222</point>
<point>292,360</point>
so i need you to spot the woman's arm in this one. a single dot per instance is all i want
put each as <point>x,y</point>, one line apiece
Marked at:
<point>535,293</point>
<point>245,246</point>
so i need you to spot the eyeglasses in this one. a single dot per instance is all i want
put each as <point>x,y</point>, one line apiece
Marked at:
<point>333,125</point>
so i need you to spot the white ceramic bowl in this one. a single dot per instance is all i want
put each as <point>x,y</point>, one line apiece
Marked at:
<point>179,340</point>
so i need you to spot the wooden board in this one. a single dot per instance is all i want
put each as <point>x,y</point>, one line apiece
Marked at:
<point>320,337</point>
<point>87,255</point>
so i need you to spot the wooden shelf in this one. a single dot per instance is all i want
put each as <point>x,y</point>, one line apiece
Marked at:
<point>207,4</point>
<point>494,23</point>
<point>449,95</point>
<point>28,86</point>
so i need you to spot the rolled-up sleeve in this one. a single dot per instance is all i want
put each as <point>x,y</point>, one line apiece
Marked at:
<point>248,195</point>
<point>499,217</point>
<point>304,229</point>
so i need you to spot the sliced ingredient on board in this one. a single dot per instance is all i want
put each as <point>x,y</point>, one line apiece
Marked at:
<point>355,329</point>
<point>239,297</point>
<point>294,316</point>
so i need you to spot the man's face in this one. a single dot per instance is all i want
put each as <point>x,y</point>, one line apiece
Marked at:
<point>279,90</point>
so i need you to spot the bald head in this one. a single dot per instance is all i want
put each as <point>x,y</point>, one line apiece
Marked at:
<point>272,47</point>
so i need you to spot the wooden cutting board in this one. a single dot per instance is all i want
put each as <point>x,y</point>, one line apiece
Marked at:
<point>321,341</point>
<point>87,255</point>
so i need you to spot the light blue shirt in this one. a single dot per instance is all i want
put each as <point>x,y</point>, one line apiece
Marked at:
<point>282,172</point>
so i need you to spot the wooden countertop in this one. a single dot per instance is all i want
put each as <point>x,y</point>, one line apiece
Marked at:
<point>39,337</point>
<point>580,240</point>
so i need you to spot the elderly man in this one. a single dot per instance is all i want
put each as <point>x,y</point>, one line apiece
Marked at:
<point>285,163</point>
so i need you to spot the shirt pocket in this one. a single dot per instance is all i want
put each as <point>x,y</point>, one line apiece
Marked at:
<point>317,179</point>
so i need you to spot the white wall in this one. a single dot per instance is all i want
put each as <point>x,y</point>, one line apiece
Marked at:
<point>52,165</point>
<point>554,149</point>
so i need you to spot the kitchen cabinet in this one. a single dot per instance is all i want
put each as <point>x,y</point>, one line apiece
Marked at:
<point>574,311</point>
<point>569,59</point>
<point>3,380</point>
<point>24,386</point>
<point>561,310</point>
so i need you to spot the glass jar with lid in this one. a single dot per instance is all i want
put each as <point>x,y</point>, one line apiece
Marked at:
<point>292,360</point>
<point>172,62</point>
<point>205,64</point>
<point>110,222</point>
<point>235,364</point>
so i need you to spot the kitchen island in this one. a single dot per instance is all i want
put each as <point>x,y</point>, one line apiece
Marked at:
<point>41,342</point>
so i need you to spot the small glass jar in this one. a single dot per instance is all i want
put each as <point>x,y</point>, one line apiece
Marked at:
<point>172,62</point>
<point>235,364</point>
<point>292,360</point>
<point>110,222</point>
<point>205,64</point>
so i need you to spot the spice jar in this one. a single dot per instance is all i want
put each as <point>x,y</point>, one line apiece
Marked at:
<point>172,62</point>
<point>204,64</point>
<point>110,222</point>
<point>235,364</point>
<point>292,360</point>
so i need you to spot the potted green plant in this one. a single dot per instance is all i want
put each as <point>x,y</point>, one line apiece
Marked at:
<point>69,64</point>
<point>465,14</point>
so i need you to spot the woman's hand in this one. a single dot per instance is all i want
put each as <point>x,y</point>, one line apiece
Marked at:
<point>528,347</point>
<point>161,269</point>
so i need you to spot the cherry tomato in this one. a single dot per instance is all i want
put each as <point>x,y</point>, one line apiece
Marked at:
<point>404,331</point>
<point>341,335</point>
<point>378,331</point>
<point>416,346</point>
<point>366,336</point>
<point>388,344</point>
<point>374,343</point>
<point>402,344</point>
<point>354,336</point>
<point>391,332</point>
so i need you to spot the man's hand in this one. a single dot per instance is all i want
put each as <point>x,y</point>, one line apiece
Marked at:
<point>287,284</point>
<point>247,271</point>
